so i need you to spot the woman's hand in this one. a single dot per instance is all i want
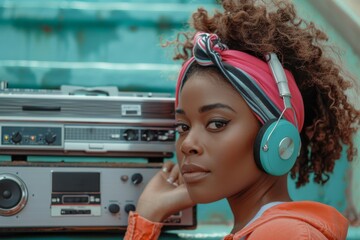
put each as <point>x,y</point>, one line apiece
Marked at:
<point>164,195</point>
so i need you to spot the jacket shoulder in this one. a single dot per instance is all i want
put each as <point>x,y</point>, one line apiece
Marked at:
<point>286,229</point>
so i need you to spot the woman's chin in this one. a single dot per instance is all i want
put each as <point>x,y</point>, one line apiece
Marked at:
<point>202,198</point>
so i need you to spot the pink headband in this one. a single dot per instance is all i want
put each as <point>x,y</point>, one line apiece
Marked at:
<point>251,76</point>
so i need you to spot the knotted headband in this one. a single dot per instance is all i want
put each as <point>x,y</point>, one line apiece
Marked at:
<point>249,75</point>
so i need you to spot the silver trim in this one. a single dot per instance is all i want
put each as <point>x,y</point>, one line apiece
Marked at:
<point>286,148</point>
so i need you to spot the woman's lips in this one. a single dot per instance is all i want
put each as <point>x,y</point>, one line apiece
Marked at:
<point>194,176</point>
<point>193,173</point>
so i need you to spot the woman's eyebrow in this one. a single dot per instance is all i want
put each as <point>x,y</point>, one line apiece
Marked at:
<point>207,108</point>
<point>210,107</point>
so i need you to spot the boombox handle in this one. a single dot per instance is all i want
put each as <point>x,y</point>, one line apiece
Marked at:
<point>89,91</point>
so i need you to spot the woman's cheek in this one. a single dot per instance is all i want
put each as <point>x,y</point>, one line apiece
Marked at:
<point>179,154</point>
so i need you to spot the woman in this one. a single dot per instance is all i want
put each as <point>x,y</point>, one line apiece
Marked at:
<point>257,84</point>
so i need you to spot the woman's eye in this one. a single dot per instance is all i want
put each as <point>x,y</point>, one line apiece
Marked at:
<point>181,127</point>
<point>217,124</point>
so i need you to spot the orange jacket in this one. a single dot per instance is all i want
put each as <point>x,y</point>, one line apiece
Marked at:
<point>303,220</point>
<point>140,228</point>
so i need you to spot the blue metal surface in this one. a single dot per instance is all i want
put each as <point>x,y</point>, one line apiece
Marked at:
<point>87,43</point>
<point>46,44</point>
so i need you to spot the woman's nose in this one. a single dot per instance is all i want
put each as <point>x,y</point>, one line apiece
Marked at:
<point>191,145</point>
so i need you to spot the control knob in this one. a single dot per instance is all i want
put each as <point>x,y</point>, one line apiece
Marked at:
<point>114,208</point>
<point>16,138</point>
<point>50,138</point>
<point>136,178</point>
<point>130,135</point>
<point>129,207</point>
<point>149,135</point>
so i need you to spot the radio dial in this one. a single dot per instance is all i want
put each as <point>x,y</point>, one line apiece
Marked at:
<point>149,135</point>
<point>16,138</point>
<point>50,138</point>
<point>114,208</point>
<point>136,178</point>
<point>129,207</point>
<point>130,135</point>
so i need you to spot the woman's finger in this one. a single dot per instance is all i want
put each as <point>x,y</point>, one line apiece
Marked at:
<point>167,166</point>
<point>168,174</point>
<point>174,175</point>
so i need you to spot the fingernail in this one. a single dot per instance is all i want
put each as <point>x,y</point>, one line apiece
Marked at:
<point>175,184</point>
<point>164,169</point>
<point>170,180</point>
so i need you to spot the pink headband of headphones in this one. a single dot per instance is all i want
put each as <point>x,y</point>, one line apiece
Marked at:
<point>251,76</point>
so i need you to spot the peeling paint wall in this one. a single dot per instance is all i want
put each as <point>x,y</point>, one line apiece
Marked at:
<point>46,44</point>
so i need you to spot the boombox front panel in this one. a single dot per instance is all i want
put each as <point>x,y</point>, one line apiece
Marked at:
<point>69,196</point>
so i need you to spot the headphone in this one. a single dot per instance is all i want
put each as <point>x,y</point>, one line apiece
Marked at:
<point>278,142</point>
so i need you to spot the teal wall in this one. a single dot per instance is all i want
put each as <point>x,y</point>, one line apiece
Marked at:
<point>46,44</point>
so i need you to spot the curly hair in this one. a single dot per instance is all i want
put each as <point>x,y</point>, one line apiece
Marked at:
<point>257,28</point>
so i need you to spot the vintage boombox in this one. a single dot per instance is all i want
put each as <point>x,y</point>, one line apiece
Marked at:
<point>86,121</point>
<point>76,122</point>
<point>75,196</point>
